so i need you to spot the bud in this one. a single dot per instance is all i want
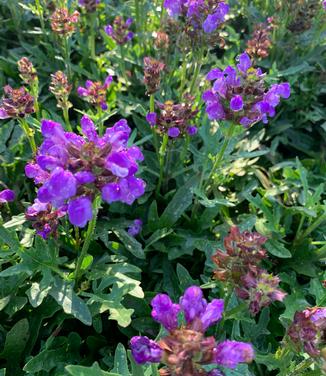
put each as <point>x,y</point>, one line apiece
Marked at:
<point>260,43</point>
<point>27,71</point>
<point>62,23</point>
<point>16,103</point>
<point>162,40</point>
<point>61,89</point>
<point>95,92</point>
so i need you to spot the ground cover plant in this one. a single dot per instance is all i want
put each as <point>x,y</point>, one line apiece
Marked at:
<point>162,187</point>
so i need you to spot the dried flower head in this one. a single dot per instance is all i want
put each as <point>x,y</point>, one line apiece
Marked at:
<point>27,71</point>
<point>95,92</point>
<point>174,119</point>
<point>152,74</point>
<point>161,40</point>
<point>185,349</point>
<point>119,31</point>
<point>16,103</point>
<point>63,23</point>
<point>240,95</point>
<point>61,89</point>
<point>309,330</point>
<point>260,43</point>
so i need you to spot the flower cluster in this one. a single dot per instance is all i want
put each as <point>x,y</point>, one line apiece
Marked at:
<point>119,31</point>
<point>174,119</point>
<point>16,103</point>
<point>45,219</point>
<point>260,43</point>
<point>63,23</point>
<point>61,89</point>
<point>161,40</point>
<point>27,71</point>
<point>240,266</point>
<point>89,5</point>
<point>7,195</point>
<point>205,14</point>
<point>309,330</point>
<point>95,92</point>
<point>185,349</point>
<point>135,228</point>
<point>71,170</point>
<point>152,74</point>
<point>240,95</point>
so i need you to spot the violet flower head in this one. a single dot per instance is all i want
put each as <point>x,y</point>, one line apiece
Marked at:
<point>186,349</point>
<point>230,353</point>
<point>95,92</point>
<point>308,330</point>
<point>71,170</point>
<point>16,103</point>
<point>27,72</point>
<point>175,120</point>
<point>61,89</point>
<point>135,228</point>
<point>240,94</point>
<point>119,30</point>
<point>145,350</point>
<point>7,195</point>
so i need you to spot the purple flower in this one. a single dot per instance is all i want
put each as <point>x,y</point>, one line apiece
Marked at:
<point>192,303</point>
<point>192,130</point>
<point>61,186</point>
<point>173,132</point>
<point>173,7</point>
<point>165,311</point>
<point>151,118</point>
<point>80,211</point>
<point>230,353</point>
<point>229,99</point>
<point>135,228</point>
<point>214,20</point>
<point>236,103</point>
<point>213,313</point>
<point>127,190</point>
<point>145,350</point>
<point>119,31</point>
<point>7,195</point>
<point>95,92</point>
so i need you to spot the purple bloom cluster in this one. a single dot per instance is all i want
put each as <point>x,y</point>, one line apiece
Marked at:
<point>309,330</point>
<point>174,119</point>
<point>135,228</point>
<point>71,170</point>
<point>16,103</point>
<point>205,14</point>
<point>186,348</point>
<point>7,195</point>
<point>95,92</point>
<point>240,94</point>
<point>119,31</point>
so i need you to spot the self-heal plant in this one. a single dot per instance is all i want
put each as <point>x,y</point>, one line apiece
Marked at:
<point>241,95</point>
<point>95,92</point>
<point>73,170</point>
<point>185,349</point>
<point>119,30</point>
<point>240,267</point>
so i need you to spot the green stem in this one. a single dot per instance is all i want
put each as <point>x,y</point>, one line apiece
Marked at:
<point>29,134</point>
<point>311,228</point>
<point>162,158</point>
<point>34,88</point>
<point>65,110</point>
<point>91,41</point>
<point>40,14</point>
<point>123,63</point>
<point>100,124</point>
<point>152,109</point>
<point>66,52</point>
<point>88,238</point>
<point>137,13</point>
<point>183,73</point>
<point>221,153</point>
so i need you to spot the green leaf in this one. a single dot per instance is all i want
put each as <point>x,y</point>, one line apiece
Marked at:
<point>36,294</point>
<point>121,361</point>
<point>64,294</point>
<point>184,277</point>
<point>10,238</point>
<point>46,360</point>
<point>277,249</point>
<point>95,370</point>
<point>131,244</point>
<point>178,205</point>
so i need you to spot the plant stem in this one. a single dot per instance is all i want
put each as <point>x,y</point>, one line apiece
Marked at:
<point>100,124</point>
<point>88,238</point>
<point>65,110</point>
<point>40,14</point>
<point>219,157</point>
<point>137,13</point>
<point>66,51</point>
<point>161,159</point>
<point>91,41</point>
<point>311,228</point>
<point>34,89</point>
<point>152,109</point>
<point>29,134</point>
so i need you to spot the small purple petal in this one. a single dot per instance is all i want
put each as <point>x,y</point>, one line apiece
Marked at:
<point>7,195</point>
<point>236,103</point>
<point>145,350</point>
<point>165,311</point>
<point>80,211</point>
<point>151,118</point>
<point>244,62</point>
<point>213,313</point>
<point>173,132</point>
<point>193,303</point>
<point>230,353</point>
<point>192,130</point>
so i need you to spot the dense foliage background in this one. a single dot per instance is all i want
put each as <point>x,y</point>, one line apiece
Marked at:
<point>271,180</point>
